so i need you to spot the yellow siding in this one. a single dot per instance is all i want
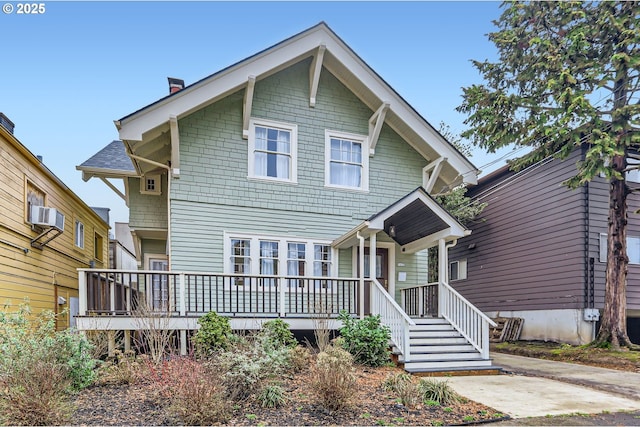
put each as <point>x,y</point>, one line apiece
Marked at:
<point>41,275</point>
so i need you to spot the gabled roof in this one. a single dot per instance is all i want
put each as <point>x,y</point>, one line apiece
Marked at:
<point>112,160</point>
<point>321,42</point>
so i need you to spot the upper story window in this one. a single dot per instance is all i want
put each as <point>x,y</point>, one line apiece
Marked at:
<point>346,161</point>
<point>98,242</point>
<point>633,175</point>
<point>35,197</point>
<point>273,151</point>
<point>79,234</point>
<point>633,249</point>
<point>150,184</point>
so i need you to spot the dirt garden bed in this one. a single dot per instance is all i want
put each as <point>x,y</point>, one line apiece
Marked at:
<point>140,404</point>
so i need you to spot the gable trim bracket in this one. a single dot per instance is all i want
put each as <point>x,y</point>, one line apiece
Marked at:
<point>175,147</point>
<point>430,173</point>
<point>113,188</point>
<point>375,126</point>
<point>247,105</point>
<point>314,74</point>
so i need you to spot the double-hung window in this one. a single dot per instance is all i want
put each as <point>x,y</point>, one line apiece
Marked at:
<point>296,255</point>
<point>268,261</point>
<point>346,161</point>
<point>273,151</point>
<point>240,259</point>
<point>35,197</point>
<point>79,234</point>
<point>321,264</point>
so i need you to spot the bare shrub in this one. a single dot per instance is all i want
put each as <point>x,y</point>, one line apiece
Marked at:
<point>153,336</point>
<point>35,394</point>
<point>196,392</point>
<point>321,331</point>
<point>334,379</point>
<point>100,342</point>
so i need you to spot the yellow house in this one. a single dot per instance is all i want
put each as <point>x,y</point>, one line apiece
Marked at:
<point>46,233</point>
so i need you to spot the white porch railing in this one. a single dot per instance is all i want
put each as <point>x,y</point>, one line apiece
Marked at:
<point>119,292</point>
<point>465,317</point>
<point>447,303</point>
<point>392,316</point>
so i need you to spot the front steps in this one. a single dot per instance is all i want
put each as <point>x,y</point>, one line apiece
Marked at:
<point>436,348</point>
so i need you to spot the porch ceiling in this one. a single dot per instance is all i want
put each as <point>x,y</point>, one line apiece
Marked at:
<point>415,222</point>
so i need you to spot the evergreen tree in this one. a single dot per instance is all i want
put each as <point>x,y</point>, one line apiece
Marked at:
<point>568,74</point>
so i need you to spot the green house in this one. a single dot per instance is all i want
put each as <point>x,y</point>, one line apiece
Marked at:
<point>292,184</point>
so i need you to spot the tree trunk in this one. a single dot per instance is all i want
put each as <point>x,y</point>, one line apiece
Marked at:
<point>613,328</point>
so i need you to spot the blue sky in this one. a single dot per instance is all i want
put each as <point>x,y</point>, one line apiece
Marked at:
<point>67,74</point>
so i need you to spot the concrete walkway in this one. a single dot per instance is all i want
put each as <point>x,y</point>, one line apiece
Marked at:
<point>534,388</point>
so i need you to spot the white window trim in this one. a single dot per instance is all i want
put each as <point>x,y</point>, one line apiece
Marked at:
<point>364,141</point>
<point>79,243</point>
<point>254,252</point>
<point>143,184</point>
<point>633,175</point>
<point>603,249</point>
<point>293,175</point>
<point>462,269</point>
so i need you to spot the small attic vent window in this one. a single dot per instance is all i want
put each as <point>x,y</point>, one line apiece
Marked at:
<point>150,184</point>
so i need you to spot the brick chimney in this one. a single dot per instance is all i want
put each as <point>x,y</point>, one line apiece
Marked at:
<point>175,85</point>
<point>6,123</point>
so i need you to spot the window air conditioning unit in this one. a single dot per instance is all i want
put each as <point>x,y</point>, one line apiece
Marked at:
<point>49,217</point>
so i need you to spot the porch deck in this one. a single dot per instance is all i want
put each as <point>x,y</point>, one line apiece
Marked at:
<point>133,300</point>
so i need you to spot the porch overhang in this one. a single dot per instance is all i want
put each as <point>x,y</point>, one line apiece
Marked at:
<point>415,222</point>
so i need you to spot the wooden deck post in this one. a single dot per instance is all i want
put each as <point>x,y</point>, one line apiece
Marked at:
<point>442,273</point>
<point>82,292</point>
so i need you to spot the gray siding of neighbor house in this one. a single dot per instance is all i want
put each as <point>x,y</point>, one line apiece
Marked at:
<point>633,275</point>
<point>214,195</point>
<point>529,242</point>
<point>598,223</point>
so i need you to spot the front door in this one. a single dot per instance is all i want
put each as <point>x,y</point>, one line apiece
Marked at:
<point>382,266</point>
<point>382,272</point>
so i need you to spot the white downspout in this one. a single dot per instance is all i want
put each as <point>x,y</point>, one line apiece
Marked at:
<point>446,258</point>
<point>361,263</point>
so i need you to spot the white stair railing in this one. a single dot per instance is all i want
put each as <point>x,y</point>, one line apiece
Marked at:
<point>465,318</point>
<point>392,316</point>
